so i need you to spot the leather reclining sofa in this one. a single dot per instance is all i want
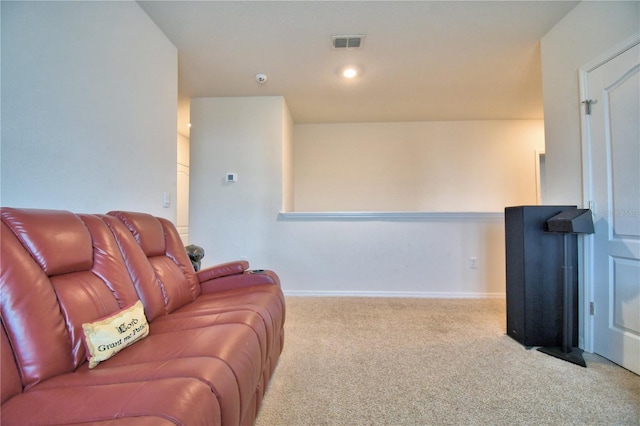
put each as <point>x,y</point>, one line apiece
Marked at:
<point>212,340</point>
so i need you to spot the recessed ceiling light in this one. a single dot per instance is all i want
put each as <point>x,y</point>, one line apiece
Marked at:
<point>350,72</point>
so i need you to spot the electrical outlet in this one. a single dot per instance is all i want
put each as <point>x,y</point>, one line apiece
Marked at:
<point>473,262</point>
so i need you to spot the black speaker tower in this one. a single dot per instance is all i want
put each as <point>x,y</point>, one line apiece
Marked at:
<point>534,286</point>
<point>576,221</point>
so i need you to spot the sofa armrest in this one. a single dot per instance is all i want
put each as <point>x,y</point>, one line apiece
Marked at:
<point>247,279</point>
<point>222,270</point>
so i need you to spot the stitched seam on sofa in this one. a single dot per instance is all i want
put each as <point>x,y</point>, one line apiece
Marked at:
<point>262,355</point>
<point>182,269</point>
<point>127,263</point>
<point>250,308</point>
<point>180,354</point>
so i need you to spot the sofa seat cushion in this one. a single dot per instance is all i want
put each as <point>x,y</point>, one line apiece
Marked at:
<point>236,344</point>
<point>131,421</point>
<point>245,284</point>
<point>180,400</point>
<point>249,278</point>
<point>264,300</point>
<point>266,296</point>
<point>213,372</point>
<point>191,320</point>
<point>271,345</point>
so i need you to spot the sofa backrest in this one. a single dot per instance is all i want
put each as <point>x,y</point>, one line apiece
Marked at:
<point>30,312</point>
<point>108,263</point>
<point>58,271</point>
<point>11,384</point>
<point>168,270</point>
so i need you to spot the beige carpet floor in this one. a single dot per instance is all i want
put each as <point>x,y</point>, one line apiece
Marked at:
<point>380,361</point>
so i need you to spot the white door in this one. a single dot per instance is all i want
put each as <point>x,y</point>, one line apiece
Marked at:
<point>182,201</point>
<point>614,131</point>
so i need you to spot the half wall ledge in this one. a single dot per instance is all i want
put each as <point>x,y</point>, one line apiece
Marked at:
<point>389,216</point>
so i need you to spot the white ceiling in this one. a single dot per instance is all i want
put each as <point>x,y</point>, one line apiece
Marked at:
<point>421,60</point>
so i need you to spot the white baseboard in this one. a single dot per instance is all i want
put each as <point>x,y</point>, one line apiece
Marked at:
<point>417,294</point>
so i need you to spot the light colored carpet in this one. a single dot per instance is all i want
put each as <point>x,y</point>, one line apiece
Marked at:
<point>380,361</point>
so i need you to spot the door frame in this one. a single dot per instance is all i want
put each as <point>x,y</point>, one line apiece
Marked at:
<point>539,155</point>
<point>586,271</point>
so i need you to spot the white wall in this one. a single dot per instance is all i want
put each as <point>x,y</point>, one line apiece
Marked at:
<point>452,166</point>
<point>89,95</point>
<point>288,174</point>
<point>243,136</point>
<point>422,256</point>
<point>589,30</point>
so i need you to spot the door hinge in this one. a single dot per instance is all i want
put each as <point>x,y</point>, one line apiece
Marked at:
<point>587,105</point>
<point>592,308</point>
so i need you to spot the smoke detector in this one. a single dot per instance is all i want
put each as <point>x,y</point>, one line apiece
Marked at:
<point>261,78</point>
<point>352,41</point>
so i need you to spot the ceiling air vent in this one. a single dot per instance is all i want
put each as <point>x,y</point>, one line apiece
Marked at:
<point>347,41</point>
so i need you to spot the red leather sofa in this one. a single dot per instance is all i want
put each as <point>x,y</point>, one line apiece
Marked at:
<point>214,337</point>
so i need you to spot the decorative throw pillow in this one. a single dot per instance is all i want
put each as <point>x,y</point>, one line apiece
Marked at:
<point>108,336</point>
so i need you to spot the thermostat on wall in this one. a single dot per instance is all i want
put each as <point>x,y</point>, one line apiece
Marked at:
<point>231,177</point>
